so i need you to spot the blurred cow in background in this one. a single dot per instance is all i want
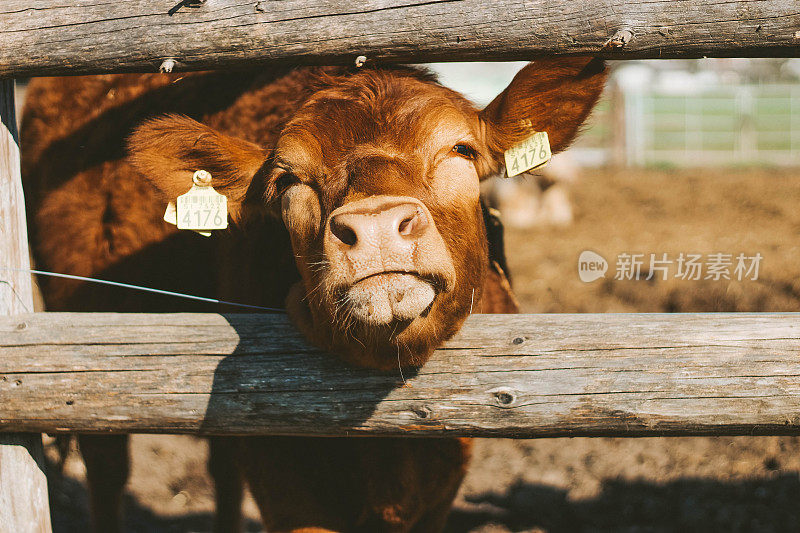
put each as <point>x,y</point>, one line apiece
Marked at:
<point>539,198</point>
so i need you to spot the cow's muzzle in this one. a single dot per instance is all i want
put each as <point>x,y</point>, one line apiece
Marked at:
<point>387,259</point>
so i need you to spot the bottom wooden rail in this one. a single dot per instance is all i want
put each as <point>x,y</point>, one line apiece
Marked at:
<point>502,375</point>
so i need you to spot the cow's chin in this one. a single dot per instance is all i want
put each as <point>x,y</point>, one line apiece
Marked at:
<point>381,321</point>
<point>388,299</point>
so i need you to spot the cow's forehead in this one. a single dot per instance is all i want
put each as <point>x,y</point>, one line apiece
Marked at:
<point>382,136</point>
<point>414,121</point>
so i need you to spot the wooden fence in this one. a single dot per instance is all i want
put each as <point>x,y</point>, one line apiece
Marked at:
<point>510,376</point>
<point>73,37</point>
<point>523,376</point>
<point>23,487</point>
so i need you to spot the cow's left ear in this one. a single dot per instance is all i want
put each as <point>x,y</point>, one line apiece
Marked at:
<point>551,95</point>
<point>168,150</point>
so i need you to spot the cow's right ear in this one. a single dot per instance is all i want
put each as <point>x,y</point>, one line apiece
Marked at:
<point>168,150</point>
<point>554,95</point>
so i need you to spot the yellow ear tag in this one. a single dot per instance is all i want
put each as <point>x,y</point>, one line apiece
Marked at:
<point>201,209</point>
<point>533,152</point>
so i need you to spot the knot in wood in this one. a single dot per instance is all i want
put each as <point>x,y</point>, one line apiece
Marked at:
<point>504,396</point>
<point>618,40</point>
<point>423,412</point>
<point>518,340</point>
<point>22,325</point>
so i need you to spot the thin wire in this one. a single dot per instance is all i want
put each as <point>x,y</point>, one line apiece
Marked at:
<point>15,293</point>
<point>400,368</point>
<point>141,288</point>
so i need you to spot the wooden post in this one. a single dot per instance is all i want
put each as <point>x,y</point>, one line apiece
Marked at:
<point>23,485</point>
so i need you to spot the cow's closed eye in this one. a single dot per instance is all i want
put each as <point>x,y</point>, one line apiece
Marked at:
<point>465,150</point>
<point>301,213</point>
<point>284,181</point>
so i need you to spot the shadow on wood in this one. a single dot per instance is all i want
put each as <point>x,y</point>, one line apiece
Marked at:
<point>293,387</point>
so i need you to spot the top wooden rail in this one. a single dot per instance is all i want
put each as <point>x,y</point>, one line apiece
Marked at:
<point>501,375</point>
<point>49,37</point>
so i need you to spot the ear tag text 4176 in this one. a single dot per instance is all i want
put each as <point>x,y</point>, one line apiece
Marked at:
<point>201,209</point>
<point>533,152</point>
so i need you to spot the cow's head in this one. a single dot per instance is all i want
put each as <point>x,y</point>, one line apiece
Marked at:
<point>376,177</point>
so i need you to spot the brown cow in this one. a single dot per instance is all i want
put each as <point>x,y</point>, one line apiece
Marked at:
<point>357,188</point>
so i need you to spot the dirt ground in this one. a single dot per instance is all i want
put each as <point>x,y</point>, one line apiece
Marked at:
<point>579,484</point>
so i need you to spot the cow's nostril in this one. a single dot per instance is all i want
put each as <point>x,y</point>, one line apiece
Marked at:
<point>343,232</point>
<point>413,224</point>
<point>405,225</point>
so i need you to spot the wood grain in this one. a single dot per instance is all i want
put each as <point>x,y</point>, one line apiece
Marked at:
<point>16,295</point>
<point>24,504</point>
<point>502,375</point>
<point>39,37</point>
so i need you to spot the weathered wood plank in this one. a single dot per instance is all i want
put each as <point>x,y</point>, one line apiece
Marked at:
<point>502,375</point>
<point>16,295</point>
<point>23,485</point>
<point>40,37</point>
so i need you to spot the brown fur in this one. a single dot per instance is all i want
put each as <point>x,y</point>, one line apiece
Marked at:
<point>334,130</point>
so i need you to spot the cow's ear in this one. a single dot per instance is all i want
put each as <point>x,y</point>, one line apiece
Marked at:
<point>551,95</point>
<point>168,150</point>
